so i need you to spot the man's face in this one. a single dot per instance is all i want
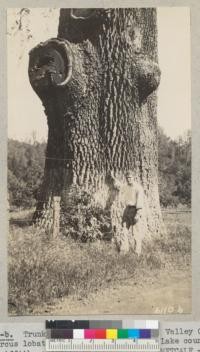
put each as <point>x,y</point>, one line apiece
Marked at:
<point>129,180</point>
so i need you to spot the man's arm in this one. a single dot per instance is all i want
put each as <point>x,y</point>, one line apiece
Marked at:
<point>139,203</point>
<point>116,184</point>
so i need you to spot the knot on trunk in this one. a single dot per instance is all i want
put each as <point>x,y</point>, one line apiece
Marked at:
<point>147,77</point>
<point>50,65</point>
<point>78,25</point>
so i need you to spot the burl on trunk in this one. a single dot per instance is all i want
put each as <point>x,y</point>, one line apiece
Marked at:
<point>97,82</point>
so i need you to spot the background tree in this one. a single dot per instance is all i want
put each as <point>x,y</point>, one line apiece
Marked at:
<point>25,172</point>
<point>97,83</point>
<point>174,169</point>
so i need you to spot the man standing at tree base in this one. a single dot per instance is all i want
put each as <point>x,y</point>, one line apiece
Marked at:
<point>132,197</point>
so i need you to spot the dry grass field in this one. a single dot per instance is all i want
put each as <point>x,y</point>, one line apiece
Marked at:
<point>48,276</point>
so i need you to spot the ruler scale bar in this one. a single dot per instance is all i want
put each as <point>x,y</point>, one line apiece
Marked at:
<point>77,345</point>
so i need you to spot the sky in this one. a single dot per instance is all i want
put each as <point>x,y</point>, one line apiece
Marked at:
<point>174,92</point>
<point>25,111</point>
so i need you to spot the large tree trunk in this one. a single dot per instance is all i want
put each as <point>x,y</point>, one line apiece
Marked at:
<point>97,82</point>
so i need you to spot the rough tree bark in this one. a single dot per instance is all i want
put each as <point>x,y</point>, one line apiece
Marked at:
<point>97,83</point>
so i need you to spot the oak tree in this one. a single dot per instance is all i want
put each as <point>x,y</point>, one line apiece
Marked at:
<point>97,82</point>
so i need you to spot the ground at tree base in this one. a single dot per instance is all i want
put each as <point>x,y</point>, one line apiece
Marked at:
<point>159,294</point>
<point>64,277</point>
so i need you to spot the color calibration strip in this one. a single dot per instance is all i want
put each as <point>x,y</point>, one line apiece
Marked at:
<point>102,324</point>
<point>102,333</point>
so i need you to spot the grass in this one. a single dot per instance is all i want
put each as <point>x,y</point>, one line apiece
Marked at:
<point>42,269</point>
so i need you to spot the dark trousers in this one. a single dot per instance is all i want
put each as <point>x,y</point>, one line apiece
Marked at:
<point>129,216</point>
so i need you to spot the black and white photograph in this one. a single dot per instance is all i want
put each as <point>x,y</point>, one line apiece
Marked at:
<point>99,161</point>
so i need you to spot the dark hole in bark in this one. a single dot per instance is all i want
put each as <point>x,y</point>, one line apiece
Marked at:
<point>45,60</point>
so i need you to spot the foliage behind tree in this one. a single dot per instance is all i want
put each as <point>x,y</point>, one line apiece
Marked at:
<point>174,169</point>
<point>25,171</point>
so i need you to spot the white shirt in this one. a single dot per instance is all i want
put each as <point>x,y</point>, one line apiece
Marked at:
<point>132,195</point>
